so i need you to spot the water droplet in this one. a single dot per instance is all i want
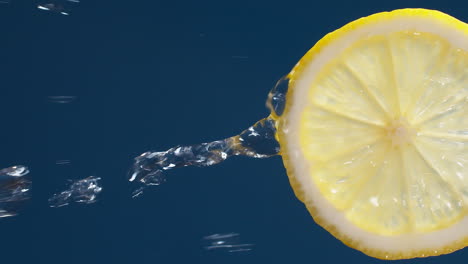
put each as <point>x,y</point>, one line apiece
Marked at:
<point>62,7</point>
<point>15,189</point>
<point>227,243</point>
<point>277,97</point>
<point>80,191</point>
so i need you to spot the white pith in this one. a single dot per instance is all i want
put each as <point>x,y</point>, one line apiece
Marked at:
<point>301,167</point>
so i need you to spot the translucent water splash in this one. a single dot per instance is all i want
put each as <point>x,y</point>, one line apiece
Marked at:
<point>258,141</point>
<point>15,189</point>
<point>14,171</point>
<point>227,242</point>
<point>276,100</point>
<point>81,191</point>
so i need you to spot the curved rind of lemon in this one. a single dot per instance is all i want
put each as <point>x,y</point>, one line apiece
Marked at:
<point>319,112</point>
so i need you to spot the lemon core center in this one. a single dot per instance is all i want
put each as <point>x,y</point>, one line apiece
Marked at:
<point>399,132</point>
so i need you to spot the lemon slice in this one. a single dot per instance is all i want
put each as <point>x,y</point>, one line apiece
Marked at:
<point>375,133</point>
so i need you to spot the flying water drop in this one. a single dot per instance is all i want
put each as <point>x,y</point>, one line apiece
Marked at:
<point>15,189</point>
<point>226,242</point>
<point>62,7</point>
<point>258,141</point>
<point>81,191</point>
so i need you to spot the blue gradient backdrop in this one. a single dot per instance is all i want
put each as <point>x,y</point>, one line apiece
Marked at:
<point>151,75</point>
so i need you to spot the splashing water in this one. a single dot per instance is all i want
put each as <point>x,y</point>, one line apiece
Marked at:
<point>15,189</point>
<point>80,191</point>
<point>258,141</point>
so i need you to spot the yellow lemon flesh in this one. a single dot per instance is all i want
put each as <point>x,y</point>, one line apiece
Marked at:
<point>375,133</point>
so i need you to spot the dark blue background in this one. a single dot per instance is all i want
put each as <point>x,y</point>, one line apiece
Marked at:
<point>151,75</point>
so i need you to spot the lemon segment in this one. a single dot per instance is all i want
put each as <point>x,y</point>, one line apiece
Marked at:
<point>434,201</point>
<point>432,75</point>
<point>448,157</point>
<point>373,55</point>
<point>382,203</point>
<point>374,135</point>
<point>416,56</point>
<point>341,179</point>
<point>346,133</point>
